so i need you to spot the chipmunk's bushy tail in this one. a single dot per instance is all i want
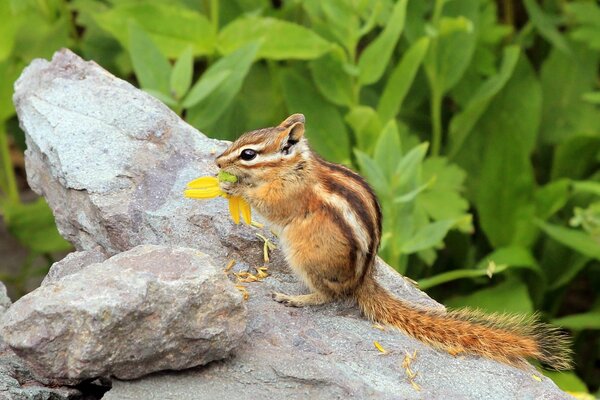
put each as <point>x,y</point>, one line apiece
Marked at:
<point>505,338</point>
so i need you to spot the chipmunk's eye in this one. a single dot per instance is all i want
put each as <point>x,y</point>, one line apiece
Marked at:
<point>248,154</point>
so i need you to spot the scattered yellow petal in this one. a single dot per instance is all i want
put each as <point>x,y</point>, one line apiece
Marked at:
<point>415,386</point>
<point>262,272</point>
<point>379,326</point>
<point>266,247</point>
<point>234,209</point>
<point>410,374</point>
<point>246,277</point>
<point>230,265</point>
<point>242,289</point>
<point>537,378</point>
<point>380,348</point>
<point>257,224</point>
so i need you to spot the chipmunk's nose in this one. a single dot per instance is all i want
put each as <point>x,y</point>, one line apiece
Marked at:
<point>219,164</point>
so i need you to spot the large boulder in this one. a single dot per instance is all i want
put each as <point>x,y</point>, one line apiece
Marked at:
<point>113,162</point>
<point>148,309</point>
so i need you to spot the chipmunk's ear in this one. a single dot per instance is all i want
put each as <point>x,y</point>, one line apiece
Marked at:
<point>294,127</point>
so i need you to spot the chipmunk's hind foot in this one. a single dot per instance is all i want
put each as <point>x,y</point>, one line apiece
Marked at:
<point>312,299</point>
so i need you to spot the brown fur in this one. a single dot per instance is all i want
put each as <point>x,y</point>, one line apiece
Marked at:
<point>330,224</point>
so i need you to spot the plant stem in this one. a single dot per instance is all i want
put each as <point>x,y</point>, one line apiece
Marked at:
<point>214,15</point>
<point>437,88</point>
<point>11,182</point>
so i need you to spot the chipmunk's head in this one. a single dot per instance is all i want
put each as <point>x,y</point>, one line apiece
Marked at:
<point>265,155</point>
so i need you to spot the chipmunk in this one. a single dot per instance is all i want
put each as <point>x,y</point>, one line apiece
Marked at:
<point>330,229</point>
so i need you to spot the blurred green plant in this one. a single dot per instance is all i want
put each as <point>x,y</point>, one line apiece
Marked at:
<point>476,121</point>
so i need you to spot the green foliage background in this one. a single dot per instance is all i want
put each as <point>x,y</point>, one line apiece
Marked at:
<point>476,121</point>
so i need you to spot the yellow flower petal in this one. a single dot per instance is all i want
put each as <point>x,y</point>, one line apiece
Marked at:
<point>234,208</point>
<point>246,212</point>
<point>203,182</point>
<point>204,193</point>
<point>207,187</point>
<point>380,348</point>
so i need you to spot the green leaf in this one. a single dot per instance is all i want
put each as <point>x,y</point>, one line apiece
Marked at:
<point>33,225</point>
<point>340,21</point>
<point>576,157</point>
<point>567,381</point>
<point>388,149</point>
<point>205,86</point>
<point>281,40</point>
<point>545,26</point>
<point>587,17</point>
<point>574,239</point>
<point>168,100</point>
<point>513,256</point>
<point>332,80</point>
<point>375,57</point>
<point>181,77</point>
<point>510,296</point>
<point>325,127</point>
<point>592,187</point>
<point>551,198</point>
<point>463,122</point>
<point>565,113</point>
<point>39,36</point>
<point>151,67</point>
<point>428,283</point>
<point>372,172</point>
<point>443,199</point>
<point>410,196</point>
<point>579,322</point>
<point>7,30</point>
<point>366,125</point>
<point>173,28</point>
<point>428,236</point>
<point>401,80</point>
<point>206,111</point>
<point>592,97</point>
<point>409,167</point>
<point>9,71</point>
<point>450,54</point>
<point>496,155</point>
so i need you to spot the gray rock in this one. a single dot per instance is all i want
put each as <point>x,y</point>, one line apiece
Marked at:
<point>73,263</point>
<point>4,299</point>
<point>148,309</point>
<point>112,162</point>
<point>17,382</point>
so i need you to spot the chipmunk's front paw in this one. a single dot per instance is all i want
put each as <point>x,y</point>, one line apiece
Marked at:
<point>227,187</point>
<point>301,300</point>
<point>284,299</point>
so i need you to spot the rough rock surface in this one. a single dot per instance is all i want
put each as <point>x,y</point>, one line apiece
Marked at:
<point>73,263</point>
<point>148,309</point>
<point>17,382</point>
<point>113,162</point>
<point>4,299</point>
